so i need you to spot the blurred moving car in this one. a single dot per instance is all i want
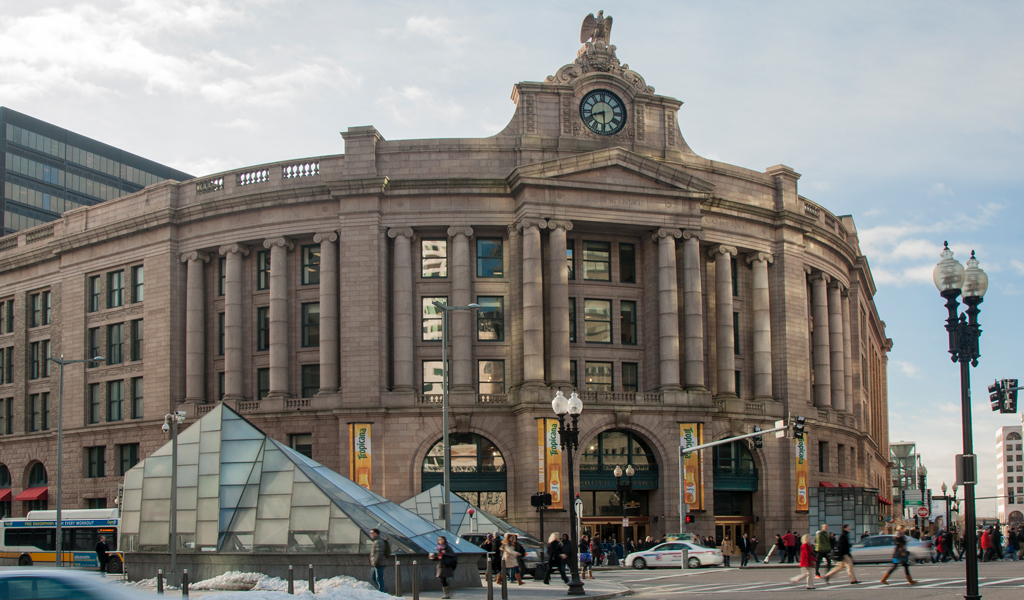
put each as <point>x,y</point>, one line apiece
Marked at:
<point>530,561</point>
<point>63,584</point>
<point>879,548</point>
<point>670,554</point>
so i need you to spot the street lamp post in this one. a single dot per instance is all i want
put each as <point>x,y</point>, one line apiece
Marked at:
<point>60,446</point>
<point>623,490</point>
<point>445,309</point>
<point>171,423</point>
<point>953,280</point>
<point>569,436</point>
<point>922,476</point>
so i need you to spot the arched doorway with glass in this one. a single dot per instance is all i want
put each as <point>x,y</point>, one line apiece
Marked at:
<point>735,483</point>
<point>478,473</point>
<point>605,513</point>
<point>35,493</point>
<point>5,492</point>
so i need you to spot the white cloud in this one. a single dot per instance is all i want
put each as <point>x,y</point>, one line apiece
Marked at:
<point>436,28</point>
<point>940,189</point>
<point>413,103</point>
<point>1018,266</point>
<point>909,369</point>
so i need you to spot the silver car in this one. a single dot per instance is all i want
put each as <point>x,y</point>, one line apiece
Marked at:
<point>879,549</point>
<point>63,584</point>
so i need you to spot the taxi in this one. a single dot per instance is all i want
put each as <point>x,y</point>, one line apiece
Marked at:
<point>670,554</point>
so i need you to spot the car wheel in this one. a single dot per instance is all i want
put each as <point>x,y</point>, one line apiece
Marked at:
<point>25,561</point>
<point>693,563</point>
<point>114,565</point>
<point>639,563</point>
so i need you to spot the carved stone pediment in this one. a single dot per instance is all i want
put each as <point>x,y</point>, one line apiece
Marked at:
<point>598,57</point>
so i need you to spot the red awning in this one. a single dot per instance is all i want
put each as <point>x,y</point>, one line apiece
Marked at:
<point>36,493</point>
<point>825,484</point>
<point>882,500</point>
<point>845,485</point>
<point>5,495</point>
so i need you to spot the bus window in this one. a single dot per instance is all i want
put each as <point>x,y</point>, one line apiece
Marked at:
<point>38,538</point>
<point>85,540</point>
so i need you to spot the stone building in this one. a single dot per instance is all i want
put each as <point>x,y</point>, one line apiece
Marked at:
<point>606,255</point>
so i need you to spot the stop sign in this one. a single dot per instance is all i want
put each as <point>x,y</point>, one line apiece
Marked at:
<point>922,511</point>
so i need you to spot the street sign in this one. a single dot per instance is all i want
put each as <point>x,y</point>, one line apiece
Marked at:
<point>913,498</point>
<point>781,433</point>
<point>922,512</point>
<point>625,521</point>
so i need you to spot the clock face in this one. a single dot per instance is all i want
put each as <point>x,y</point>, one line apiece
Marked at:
<point>603,112</point>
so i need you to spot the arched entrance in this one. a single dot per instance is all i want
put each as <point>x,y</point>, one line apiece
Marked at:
<point>1015,517</point>
<point>736,481</point>
<point>605,514</point>
<point>34,495</point>
<point>478,473</point>
<point>5,492</point>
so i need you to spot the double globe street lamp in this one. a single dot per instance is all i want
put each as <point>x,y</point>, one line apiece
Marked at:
<point>953,280</point>
<point>624,489</point>
<point>569,436</point>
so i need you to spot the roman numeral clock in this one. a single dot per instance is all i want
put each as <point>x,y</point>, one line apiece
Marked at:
<point>603,112</point>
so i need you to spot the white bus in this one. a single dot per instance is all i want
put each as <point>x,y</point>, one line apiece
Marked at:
<point>32,540</point>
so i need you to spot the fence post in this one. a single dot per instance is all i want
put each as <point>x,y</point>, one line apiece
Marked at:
<point>504,579</point>
<point>184,583</point>
<point>415,581</point>
<point>312,581</point>
<point>160,582</point>
<point>291,580</point>
<point>490,578</point>
<point>398,578</point>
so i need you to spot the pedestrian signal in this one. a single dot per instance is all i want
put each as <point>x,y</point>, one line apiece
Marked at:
<point>798,428</point>
<point>541,500</point>
<point>995,396</point>
<point>1010,395</point>
<point>757,439</point>
<point>689,519</point>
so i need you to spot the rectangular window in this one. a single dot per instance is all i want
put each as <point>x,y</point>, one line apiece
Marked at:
<point>492,376</point>
<point>572,374</point>
<point>115,343</point>
<point>597,261</point>
<point>220,334</point>
<point>841,456</point>
<point>138,284</point>
<point>95,403</point>
<point>127,457</point>
<point>3,316</point>
<point>6,416</point>
<point>36,301</point>
<point>220,385</point>
<point>434,259</point>
<point>433,377</point>
<point>33,360</point>
<point>137,393</point>
<point>44,352</point>
<point>310,380</point>
<point>10,316</point>
<point>311,325</point>
<point>823,457</point>
<point>137,335</point>
<point>489,259</point>
<point>263,328</point>
<point>94,346</point>
<point>490,319</point>
<point>115,289</point>
<point>570,258</point>
<point>115,400</point>
<point>735,278</point>
<point>222,267</point>
<point>738,377</point>
<point>432,318</point>
<point>572,320</point>
<point>627,318</point>
<point>47,306</point>
<point>262,383</point>
<point>3,366</point>
<point>37,412</point>
<point>94,293</point>
<point>627,263</point>
<point>263,270</point>
<point>597,320</point>
<point>599,376</point>
<point>302,443</point>
<point>96,462</point>
<point>629,377</point>
<point>311,265</point>
<point>736,332</point>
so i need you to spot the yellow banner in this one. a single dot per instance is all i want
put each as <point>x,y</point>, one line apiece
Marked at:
<point>359,453</point>
<point>802,502</point>
<point>550,460</point>
<point>692,434</point>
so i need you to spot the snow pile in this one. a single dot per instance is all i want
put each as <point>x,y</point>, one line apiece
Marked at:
<point>148,583</point>
<point>257,586</point>
<point>232,580</point>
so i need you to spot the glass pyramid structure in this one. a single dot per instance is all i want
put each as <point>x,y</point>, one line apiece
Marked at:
<point>242,491</point>
<point>424,505</point>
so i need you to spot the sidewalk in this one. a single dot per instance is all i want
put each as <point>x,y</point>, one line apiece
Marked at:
<point>534,590</point>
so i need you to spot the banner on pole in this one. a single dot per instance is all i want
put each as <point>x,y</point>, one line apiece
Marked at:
<point>802,500</point>
<point>692,434</point>
<point>359,454</point>
<point>550,461</point>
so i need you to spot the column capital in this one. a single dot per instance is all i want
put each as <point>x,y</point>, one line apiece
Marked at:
<point>815,275</point>
<point>722,249</point>
<point>460,230</point>
<point>326,236</point>
<point>282,242</point>
<point>531,222</point>
<point>566,225</point>
<point>665,232</point>
<point>234,249</point>
<point>838,284</point>
<point>195,255</point>
<point>760,256</point>
<point>394,232</point>
<point>700,234</point>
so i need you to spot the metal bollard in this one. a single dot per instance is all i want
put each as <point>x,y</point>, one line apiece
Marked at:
<point>312,581</point>
<point>291,580</point>
<point>684,558</point>
<point>415,581</point>
<point>398,578</point>
<point>184,583</point>
<point>490,578</point>
<point>504,579</point>
<point>160,582</point>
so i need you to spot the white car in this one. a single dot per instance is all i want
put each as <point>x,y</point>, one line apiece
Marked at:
<point>879,548</point>
<point>670,554</point>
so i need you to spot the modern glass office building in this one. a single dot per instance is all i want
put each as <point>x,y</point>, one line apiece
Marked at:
<point>47,170</point>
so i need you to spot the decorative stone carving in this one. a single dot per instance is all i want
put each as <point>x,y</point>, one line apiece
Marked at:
<point>454,231</point>
<point>329,236</point>
<point>566,225</point>
<point>397,231</point>
<point>280,242</point>
<point>597,28</point>
<point>694,233</point>
<point>666,232</point>
<point>195,255</point>
<point>232,249</point>
<point>599,56</point>
<point>531,222</point>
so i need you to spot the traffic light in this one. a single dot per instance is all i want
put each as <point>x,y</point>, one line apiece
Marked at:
<point>798,428</point>
<point>1010,395</point>
<point>690,519</point>
<point>757,438</point>
<point>541,500</point>
<point>995,396</point>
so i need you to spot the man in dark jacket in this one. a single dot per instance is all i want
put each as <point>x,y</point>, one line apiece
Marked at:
<point>745,549</point>
<point>101,553</point>
<point>843,554</point>
<point>378,552</point>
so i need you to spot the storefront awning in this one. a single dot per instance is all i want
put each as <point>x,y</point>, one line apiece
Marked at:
<point>36,493</point>
<point>845,485</point>
<point>882,500</point>
<point>825,484</point>
<point>5,495</point>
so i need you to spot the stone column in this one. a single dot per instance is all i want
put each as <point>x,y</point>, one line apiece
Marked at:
<point>848,352</point>
<point>461,321</point>
<point>233,355</point>
<point>835,342</point>
<point>279,358</point>
<point>533,303</point>
<point>329,357</point>
<point>558,305</point>
<point>668,307</point>
<point>693,311</point>
<point>195,355</point>
<point>762,325</point>
<point>820,341</point>
<point>722,256</point>
<point>402,307</point>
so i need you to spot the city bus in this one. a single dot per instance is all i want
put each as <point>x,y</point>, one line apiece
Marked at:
<point>32,540</point>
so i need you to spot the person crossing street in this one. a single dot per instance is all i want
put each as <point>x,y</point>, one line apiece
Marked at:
<point>822,549</point>
<point>843,556</point>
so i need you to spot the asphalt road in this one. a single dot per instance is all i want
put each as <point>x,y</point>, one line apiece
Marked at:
<point>998,581</point>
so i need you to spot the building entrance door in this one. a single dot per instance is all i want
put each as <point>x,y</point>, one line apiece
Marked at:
<point>735,527</point>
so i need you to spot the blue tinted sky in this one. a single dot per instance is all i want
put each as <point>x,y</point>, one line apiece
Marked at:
<point>906,115</point>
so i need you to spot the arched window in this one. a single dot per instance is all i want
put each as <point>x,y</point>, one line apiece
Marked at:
<point>617,448</point>
<point>1012,436</point>
<point>5,492</point>
<point>5,477</point>
<point>477,473</point>
<point>37,476</point>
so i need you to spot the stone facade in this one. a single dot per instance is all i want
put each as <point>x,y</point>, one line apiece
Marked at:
<point>809,339</point>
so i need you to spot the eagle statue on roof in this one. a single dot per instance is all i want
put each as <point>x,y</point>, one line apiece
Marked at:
<point>596,28</point>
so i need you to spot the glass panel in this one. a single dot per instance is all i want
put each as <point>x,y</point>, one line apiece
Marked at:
<point>432,318</point>
<point>209,486</point>
<point>599,376</point>
<point>597,316</point>
<point>275,460</point>
<point>188,498</point>
<point>155,510</point>
<point>488,257</point>
<point>237,429</point>
<point>308,494</point>
<point>276,482</point>
<point>154,534</point>
<point>209,464</point>
<point>244,520</point>
<point>188,454</point>
<point>186,521</point>
<point>273,506</point>
<point>207,533</point>
<point>434,258</point>
<point>158,466</point>
<point>306,518</point>
<point>208,509</point>
<point>188,475</point>
<point>235,473</point>
<point>596,261</point>
<point>240,451</point>
<point>271,532</point>
<point>344,531</point>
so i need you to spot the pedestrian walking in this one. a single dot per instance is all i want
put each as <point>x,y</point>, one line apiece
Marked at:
<point>586,558</point>
<point>776,547</point>
<point>843,557</point>
<point>745,550</point>
<point>727,549</point>
<point>807,562</point>
<point>753,548</point>
<point>380,549</point>
<point>510,553</point>
<point>556,558</point>
<point>597,553</point>
<point>822,549</point>
<point>101,554</point>
<point>446,563</point>
<point>987,545</point>
<point>900,556</point>
<point>789,542</point>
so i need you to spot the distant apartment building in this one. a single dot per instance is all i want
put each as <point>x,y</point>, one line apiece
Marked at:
<point>1010,474</point>
<point>47,170</point>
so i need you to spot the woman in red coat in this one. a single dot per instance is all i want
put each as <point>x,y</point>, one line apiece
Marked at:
<point>806,562</point>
